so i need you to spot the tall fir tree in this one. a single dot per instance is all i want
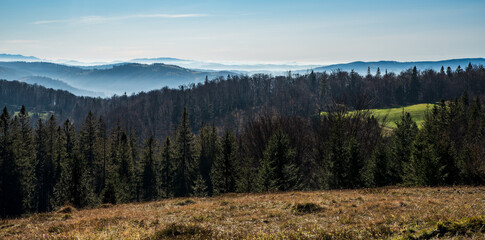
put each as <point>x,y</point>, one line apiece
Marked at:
<point>184,157</point>
<point>149,184</point>
<point>87,143</point>
<point>167,169</point>
<point>403,138</point>
<point>126,171</point>
<point>209,150</point>
<point>280,157</point>
<point>26,159</point>
<point>223,173</point>
<point>11,194</point>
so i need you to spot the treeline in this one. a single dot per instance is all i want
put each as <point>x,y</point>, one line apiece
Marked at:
<point>234,100</point>
<point>45,167</point>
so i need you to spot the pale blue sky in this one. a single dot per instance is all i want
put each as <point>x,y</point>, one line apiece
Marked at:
<point>248,31</point>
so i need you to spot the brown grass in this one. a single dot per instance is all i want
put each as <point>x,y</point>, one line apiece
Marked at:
<point>382,213</point>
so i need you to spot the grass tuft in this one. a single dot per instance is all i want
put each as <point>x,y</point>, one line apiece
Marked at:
<point>304,208</point>
<point>67,209</point>
<point>178,231</point>
<point>186,202</point>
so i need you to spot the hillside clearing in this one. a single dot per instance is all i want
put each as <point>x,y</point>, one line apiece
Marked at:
<point>393,115</point>
<point>338,214</point>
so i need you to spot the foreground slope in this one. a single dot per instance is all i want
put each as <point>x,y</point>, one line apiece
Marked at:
<point>338,214</point>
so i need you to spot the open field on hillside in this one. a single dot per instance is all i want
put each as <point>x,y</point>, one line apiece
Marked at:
<point>417,112</point>
<point>381,213</point>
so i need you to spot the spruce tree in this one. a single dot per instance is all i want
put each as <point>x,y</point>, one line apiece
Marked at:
<point>167,169</point>
<point>199,189</point>
<point>87,143</point>
<point>126,171</point>
<point>43,168</point>
<point>81,191</point>
<point>404,136</point>
<point>208,142</point>
<point>149,186</point>
<point>280,157</point>
<point>26,159</point>
<point>11,194</point>
<point>184,157</point>
<point>223,173</point>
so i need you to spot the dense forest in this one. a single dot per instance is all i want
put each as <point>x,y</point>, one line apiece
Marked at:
<point>261,134</point>
<point>233,101</point>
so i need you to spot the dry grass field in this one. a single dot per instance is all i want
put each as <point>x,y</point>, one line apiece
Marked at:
<point>382,213</point>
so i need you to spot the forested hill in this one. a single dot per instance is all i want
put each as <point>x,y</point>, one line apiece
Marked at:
<point>394,66</point>
<point>231,101</point>
<point>115,79</point>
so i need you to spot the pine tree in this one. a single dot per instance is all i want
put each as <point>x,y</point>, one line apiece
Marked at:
<point>247,175</point>
<point>87,142</point>
<point>43,168</point>
<point>80,189</point>
<point>11,194</point>
<point>102,156</point>
<point>149,184</point>
<point>424,168</point>
<point>126,171</point>
<point>167,169</point>
<point>184,154</point>
<point>199,189</point>
<point>404,136</point>
<point>356,164</point>
<point>26,159</point>
<point>209,151</point>
<point>62,194</point>
<point>266,175</point>
<point>414,87</point>
<point>380,167</point>
<point>223,173</point>
<point>280,157</point>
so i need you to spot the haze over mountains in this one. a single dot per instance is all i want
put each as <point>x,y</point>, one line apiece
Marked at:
<point>145,74</point>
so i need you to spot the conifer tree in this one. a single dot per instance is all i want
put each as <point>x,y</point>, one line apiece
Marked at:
<point>26,159</point>
<point>223,173</point>
<point>80,188</point>
<point>126,171</point>
<point>184,154</point>
<point>200,188</point>
<point>61,194</point>
<point>424,168</point>
<point>247,175</point>
<point>42,168</point>
<point>279,157</point>
<point>414,87</point>
<point>209,151</point>
<point>149,184</point>
<point>266,175</point>
<point>167,169</point>
<point>404,136</point>
<point>87,143</point>
<point>11,194</point>
<point>102,155</point>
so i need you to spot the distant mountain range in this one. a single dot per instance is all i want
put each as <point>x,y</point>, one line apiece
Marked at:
<point>60,85</point>
<point>144,74</point>
<point>107,80</point>
<point>397,67</point>
<point>17,57</point>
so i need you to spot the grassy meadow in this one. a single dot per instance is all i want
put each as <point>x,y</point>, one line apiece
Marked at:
<point>393,115</point>
<point>382,213</point>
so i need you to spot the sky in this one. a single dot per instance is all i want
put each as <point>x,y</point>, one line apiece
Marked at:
<point>249,31</point>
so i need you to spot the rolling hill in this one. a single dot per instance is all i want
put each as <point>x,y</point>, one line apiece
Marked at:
<point>108,80</point>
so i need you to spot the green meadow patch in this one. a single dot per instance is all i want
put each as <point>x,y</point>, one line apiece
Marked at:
<point>393,115</point>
